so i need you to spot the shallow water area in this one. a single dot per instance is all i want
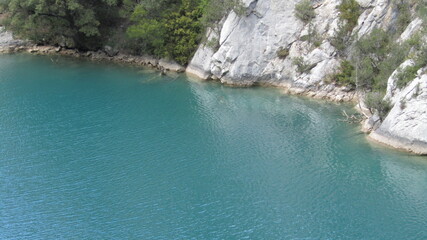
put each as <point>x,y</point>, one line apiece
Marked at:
<point>101,151</point>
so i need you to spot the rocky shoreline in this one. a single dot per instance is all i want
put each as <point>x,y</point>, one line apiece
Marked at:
<point>159,64</point>
<point>325,92</point>
<point>385,138</point>
<point>9,45</point>
<point>329,92</point>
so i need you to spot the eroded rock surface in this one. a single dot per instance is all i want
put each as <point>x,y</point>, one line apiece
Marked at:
<point>249,45</point>
<point>247,55</point>
<point>405,126</point>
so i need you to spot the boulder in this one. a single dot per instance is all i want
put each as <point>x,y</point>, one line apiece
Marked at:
<point>110,51</point>
<point>405,126</point>
<point>170,65</point>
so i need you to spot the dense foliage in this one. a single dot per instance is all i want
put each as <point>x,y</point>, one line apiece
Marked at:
<point>71,23</point>
<point>349,14</point>
<point>343,77</point>
<point>374,57</point>
<point>370,52</point>
<point>165,32</point>
<point>375,102</point>
<point>164,28</point>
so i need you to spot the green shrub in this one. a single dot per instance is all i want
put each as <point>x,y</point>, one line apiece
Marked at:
<point>282,53</point>
<point>183,30</point>
<point>409,73</point>
<point>302,65</point>
<point>349,14</point>
<point>376,57</point>
<point>375,45</point>
<point>340,39</point>
<point>396,56</point>
<point>369,53</point>
<point>173,29</point>
<point>421,9</point>
<point>374,101</point>
<point>304,11</point>
<point>406,75</point>
<point>174,34</point>
<point>215,10</point>
<point>148,30</point>
<point>415,41</point>
<point>403,15</point>
<point>364,73</point>
<point>79,23</point>
<point>312,37</point>
<point>344,75</point>
<point>212,43</point>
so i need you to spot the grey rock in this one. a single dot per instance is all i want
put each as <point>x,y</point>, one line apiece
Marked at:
<point>411,29</point>
<point>405,126</point>
<point>110,51</point>
<point>7,39</point>
<point>247,54</point>
<point>170,65</point>
<point>248,46</point>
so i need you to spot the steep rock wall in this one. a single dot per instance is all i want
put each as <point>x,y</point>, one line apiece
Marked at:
<point>248,44</point>
<point>405,127</point>
<point>247,55</point>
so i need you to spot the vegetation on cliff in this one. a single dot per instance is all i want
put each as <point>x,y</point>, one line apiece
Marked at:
<point>367,61</point>
<point>165,32</point>
<point>72,23</point>
<point>174,28</point>
<point>165,28</point>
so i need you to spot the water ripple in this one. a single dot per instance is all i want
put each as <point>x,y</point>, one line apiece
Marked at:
<point>93,151</point>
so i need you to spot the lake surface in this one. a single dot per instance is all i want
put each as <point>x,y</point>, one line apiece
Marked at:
<point>99,151</point>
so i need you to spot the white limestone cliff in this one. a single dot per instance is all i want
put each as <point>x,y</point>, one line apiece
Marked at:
<point>247,55</point>
<point>405,127</point>
<point>248,44</point>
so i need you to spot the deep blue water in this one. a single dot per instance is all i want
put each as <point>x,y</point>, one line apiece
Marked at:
<point>99,151</point>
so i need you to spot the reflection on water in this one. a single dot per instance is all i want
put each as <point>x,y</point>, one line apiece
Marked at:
<point>97,151</point>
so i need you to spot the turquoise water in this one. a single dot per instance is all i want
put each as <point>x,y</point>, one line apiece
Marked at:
<point>97,151</point>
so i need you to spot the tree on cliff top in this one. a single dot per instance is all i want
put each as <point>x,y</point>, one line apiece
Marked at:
<point>164,28</point>
<point>168,28</point>
<point>71,23</point>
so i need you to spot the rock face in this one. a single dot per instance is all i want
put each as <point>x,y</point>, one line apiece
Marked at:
<point>248,55</point>
<point>6,39</point>
<point>249,45</point>
<point>405,126</point>
<point>8,43</point>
